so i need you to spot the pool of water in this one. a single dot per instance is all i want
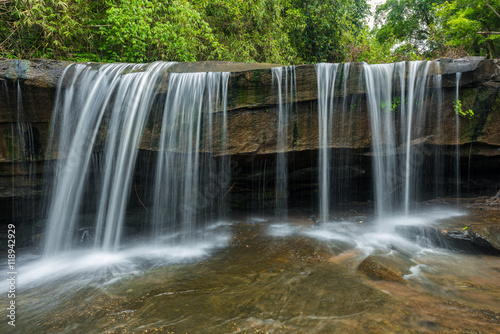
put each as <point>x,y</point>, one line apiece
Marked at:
<point>261,274</point>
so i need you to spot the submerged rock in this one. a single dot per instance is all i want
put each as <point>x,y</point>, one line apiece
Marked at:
<point>379,268</point>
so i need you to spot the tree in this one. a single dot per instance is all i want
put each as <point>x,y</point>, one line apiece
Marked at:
<point>406,25</point>
<point>322,25</point>
<point>251,31</point>
<point>149,30</point>
<point>278,31</point>
<point>471,24</point>
<point>49,28</point>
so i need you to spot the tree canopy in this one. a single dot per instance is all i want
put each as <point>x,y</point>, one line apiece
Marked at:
<point>433,28</point>
<point>277,31</point>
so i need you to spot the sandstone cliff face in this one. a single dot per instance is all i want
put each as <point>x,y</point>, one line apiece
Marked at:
<point>28,90</point>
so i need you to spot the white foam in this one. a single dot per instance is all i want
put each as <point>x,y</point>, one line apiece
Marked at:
<point>102,267</point>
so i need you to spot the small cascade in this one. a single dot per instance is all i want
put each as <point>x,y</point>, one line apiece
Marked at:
<point>379,87</point>
<point>285,82</point>
<point>225,170</point>
<point>326,76</point>
<point>99,122</point>
<point>414,117</point>
<point>400,104</point>
<point>187,180</point>
<point>457,135</point>
<point>22,150</point>
<point>342,132</point>
<point>101,110</point>
<point>439,162</point>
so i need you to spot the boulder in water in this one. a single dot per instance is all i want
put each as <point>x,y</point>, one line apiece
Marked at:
<point>378,269</point>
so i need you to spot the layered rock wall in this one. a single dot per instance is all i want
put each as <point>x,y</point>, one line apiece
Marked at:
<point>28,90</point>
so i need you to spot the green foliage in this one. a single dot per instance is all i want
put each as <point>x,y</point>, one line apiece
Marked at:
<point>460,22</point>
<point>457,106</point>
<point>321,27</point>
<point>250,31</point>
<point>437,28</point>
<point>405,25</point>
<point>394,104</point>
<point>50,29</point>
<point>147,30</point>
<point>278,31</point>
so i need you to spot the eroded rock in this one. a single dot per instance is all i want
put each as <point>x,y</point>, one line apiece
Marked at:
<point>380,268</point>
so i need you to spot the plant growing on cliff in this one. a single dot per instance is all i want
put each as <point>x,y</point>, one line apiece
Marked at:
<point>471,25</point>
<point>457,106</point>
<point>395,102</point>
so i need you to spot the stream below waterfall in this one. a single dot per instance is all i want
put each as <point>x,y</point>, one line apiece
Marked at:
<point>259,274</point>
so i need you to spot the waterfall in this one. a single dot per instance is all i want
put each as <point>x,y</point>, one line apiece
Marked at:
<point>187,182</point>
<point>103,114</point>
<point>457,135</point>
<point>104,109</point>
<point>326,75</point>
<point>285,82</point>
<point>439,163</point>
<point>414,117</point>
<point>99,120</point>
<point>22,150</point>
<point>400,127</point>
<point>379,82</point>
<point>342,135</point>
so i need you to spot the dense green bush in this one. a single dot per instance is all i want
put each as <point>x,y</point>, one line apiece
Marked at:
<point>278,31</point>
<point>437,28</point>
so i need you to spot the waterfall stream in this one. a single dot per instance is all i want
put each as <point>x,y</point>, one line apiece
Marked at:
<point>326,76</point>
<point>176,201</point>
<point>285,82</point>
<point>400,104</point>
<point>101,116</point>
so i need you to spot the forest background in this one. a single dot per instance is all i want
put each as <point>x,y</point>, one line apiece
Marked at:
<point>272,31</point>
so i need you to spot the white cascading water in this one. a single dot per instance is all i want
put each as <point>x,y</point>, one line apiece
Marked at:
<point>457,134</point>
<point>439,162</point>
<point>398,124</point>
<point>99,119</point>
<point>326,75</point>
<point>342,128</point>
<point>285,82</point>
<point>379,81</point>
<point>187,180</point>
<point>414,117</point>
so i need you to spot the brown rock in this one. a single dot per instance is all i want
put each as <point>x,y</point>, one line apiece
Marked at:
<point>377,268</point>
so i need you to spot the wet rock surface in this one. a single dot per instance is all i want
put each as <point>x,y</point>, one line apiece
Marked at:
<point>252,123</point>
<point>459,240</point>
<point>477,231</point>
<point>377,268</point>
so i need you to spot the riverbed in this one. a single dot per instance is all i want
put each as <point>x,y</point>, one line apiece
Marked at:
<point>350,274</point>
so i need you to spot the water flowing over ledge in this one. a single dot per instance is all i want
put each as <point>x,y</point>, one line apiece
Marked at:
<point>177,145</point>
<point>253,188</point>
